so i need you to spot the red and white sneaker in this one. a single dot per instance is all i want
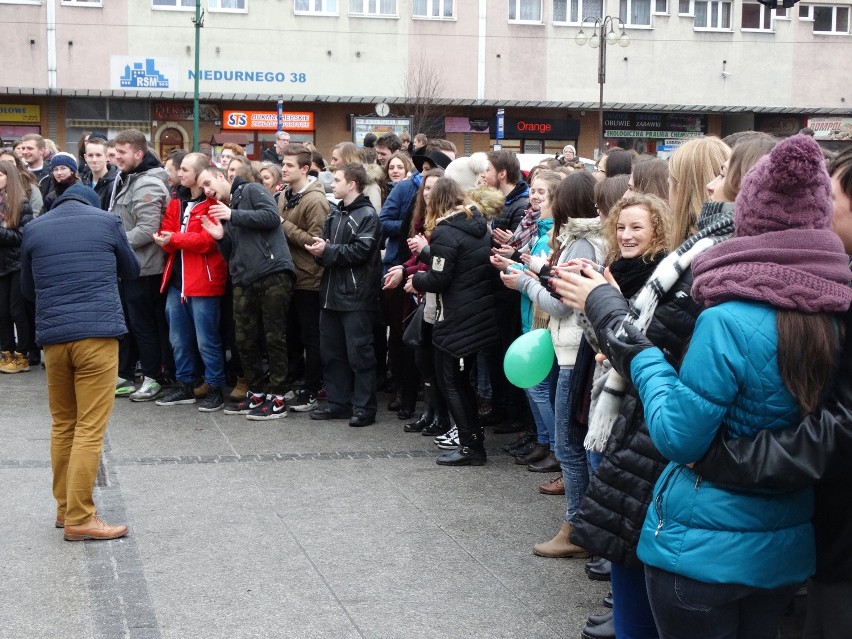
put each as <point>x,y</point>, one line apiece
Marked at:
<point>244,407</point>
<point>273,408</point>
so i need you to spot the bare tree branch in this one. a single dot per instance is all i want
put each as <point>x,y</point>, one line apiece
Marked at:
<point>424,87</point>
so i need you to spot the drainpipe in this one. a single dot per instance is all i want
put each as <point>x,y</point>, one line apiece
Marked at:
<point>50,6</point>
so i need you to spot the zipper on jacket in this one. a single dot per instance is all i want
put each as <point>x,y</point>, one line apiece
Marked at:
<point>207,267</point>
<point>658,501</point>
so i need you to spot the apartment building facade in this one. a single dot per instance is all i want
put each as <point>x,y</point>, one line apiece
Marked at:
<point>335,69</point>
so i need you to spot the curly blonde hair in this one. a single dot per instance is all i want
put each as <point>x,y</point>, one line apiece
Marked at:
<point>661,224</point>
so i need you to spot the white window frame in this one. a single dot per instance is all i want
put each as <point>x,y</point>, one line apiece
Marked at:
<point>781,13</point>
<point>32,2</point>
<point>431,4</point>
<point>834,8</point>
<point>807,18</point>
<point>218,9</point>
<point>175,7</point>
<point>580,12</point>
<point>720,4</point>
<point>518,3</point>
<point>763,11</point>
<point>626,18</point>
<point>365,13</point>
<point>654,11</point>
<point>323,11</point>
<point>690,11</point>
<point>95,4</point>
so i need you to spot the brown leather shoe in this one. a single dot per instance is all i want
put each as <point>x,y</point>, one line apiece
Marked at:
<point>547,465</point>
<point>555,486</point>
<point>60,521</point>
<point>560,546</point>
<point>95,529</point>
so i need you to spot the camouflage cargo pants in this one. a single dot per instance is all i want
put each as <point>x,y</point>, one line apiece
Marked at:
<point>266,301</point>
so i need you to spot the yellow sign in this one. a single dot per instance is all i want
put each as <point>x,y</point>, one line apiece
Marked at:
<point>30,113</point>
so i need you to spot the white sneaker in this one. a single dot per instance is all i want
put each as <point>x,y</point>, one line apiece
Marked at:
<point>448,441</point>
<point>149,390</point>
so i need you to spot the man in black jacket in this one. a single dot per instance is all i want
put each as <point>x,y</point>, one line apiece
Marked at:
<point>349,292</point>
<point>247,230</point>
<point>817,452</point>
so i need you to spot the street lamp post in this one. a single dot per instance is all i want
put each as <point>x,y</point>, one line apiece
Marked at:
<point>198,21</point>
<point>600,38</point>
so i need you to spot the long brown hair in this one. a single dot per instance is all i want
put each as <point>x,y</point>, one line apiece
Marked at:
<point>747,151</point>
<point>13,196</point>
<point>446,197</point>
<point>418,218</point>
<point>807,364</point>
<point>574,197</point>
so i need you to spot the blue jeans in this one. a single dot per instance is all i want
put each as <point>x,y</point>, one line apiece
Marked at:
<point>194,327</point>
<point>483,381</point>
<point>630,607</point>
<point>569,449</point>
<point>684,607</point>
<point>541,399</point>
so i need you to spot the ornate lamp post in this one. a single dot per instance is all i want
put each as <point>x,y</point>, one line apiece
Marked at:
<point>600,38</point>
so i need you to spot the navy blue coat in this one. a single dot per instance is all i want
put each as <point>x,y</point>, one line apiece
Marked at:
<point>71,258</point>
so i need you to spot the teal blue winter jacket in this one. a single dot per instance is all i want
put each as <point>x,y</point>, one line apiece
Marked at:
<point>729,379</point>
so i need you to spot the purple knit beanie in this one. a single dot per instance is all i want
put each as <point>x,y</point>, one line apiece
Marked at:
<point>787,189</point>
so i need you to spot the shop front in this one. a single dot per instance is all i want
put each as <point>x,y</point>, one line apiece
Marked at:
<point>652,133</point>
<point>537,135</point>
<point>258,129</point>
<point>832,132</point>
<point>17,120</point>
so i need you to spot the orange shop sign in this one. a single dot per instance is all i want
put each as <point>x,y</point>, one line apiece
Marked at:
<point>267,121</point>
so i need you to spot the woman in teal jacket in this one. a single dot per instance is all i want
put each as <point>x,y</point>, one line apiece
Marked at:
<point>723,564</point>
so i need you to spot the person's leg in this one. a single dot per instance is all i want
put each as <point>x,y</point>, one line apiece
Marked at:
<point>63,411</point>
<point>684,607</point>
<point>246,322</point>
<point>24,337</point>
<point>335,362</point>
<point>569,447</point>
<point>631,609</point>
<point>307,306</point>
<point>761,611</point>
<point>274,292</point>
<point>181,336</point>
<point>542,410</point>
<point>829,614</point>
<point>205,316</point>
<point>128,353</point>
<point>141,296</point>
<point>95,363</point>
<point>7,333</point>
<point>461,398</point>
<point>295,345</point>
<point>358,327</point>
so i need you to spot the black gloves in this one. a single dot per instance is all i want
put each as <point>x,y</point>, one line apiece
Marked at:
<point>620,350</point>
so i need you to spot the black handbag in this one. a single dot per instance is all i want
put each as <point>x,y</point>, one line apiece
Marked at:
<point>413,335</point>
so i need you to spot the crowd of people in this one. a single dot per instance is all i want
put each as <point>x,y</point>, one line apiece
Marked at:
<point>696,413</point>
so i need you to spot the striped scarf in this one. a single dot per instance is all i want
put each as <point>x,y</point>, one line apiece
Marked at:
<point>527,230</point>
<point>715,224</point>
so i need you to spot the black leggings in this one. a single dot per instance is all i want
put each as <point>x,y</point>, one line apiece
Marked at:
<point>453,377</point>
<point>13,311</point>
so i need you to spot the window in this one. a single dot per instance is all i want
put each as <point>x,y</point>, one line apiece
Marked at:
<point>684,8</point>
<point>83,3</point>
<point>434,9</point>
<point>378,8</point>
<point>575,11</point>
<point>525,11</point>
<point>328,7</point>
<point>635,13</point>
<point>661,7</point>
<point>782,13</point>
<point>173,4</point>
<point>227,5</point>
<point>712,15</point>
<point>756,16</point>
<point>20,1</point>
<point>806,12</point>
<point>831,20</point>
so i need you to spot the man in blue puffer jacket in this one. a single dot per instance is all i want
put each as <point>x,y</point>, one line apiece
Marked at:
<point>71,258</point>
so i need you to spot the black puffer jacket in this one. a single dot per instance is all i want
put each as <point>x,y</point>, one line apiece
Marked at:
<point>462,276</point>
<point>517,202</point>
<point>353,266</point>
<point>10,242</point>
<point>613,510</point>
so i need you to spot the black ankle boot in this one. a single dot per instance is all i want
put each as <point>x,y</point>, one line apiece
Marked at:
<point>422,422</point>
<point>462,456</point>
<point>439,426</point>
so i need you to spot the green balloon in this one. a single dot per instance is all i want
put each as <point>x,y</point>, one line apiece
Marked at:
<point>529,359</point>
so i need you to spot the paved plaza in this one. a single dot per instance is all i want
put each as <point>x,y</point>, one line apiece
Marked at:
<point>287,528</point>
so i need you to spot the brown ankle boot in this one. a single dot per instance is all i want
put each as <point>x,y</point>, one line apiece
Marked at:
<point>95,529</point>
<point>560,546</point>
<point>240,390</point>
<point>16,363</point>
